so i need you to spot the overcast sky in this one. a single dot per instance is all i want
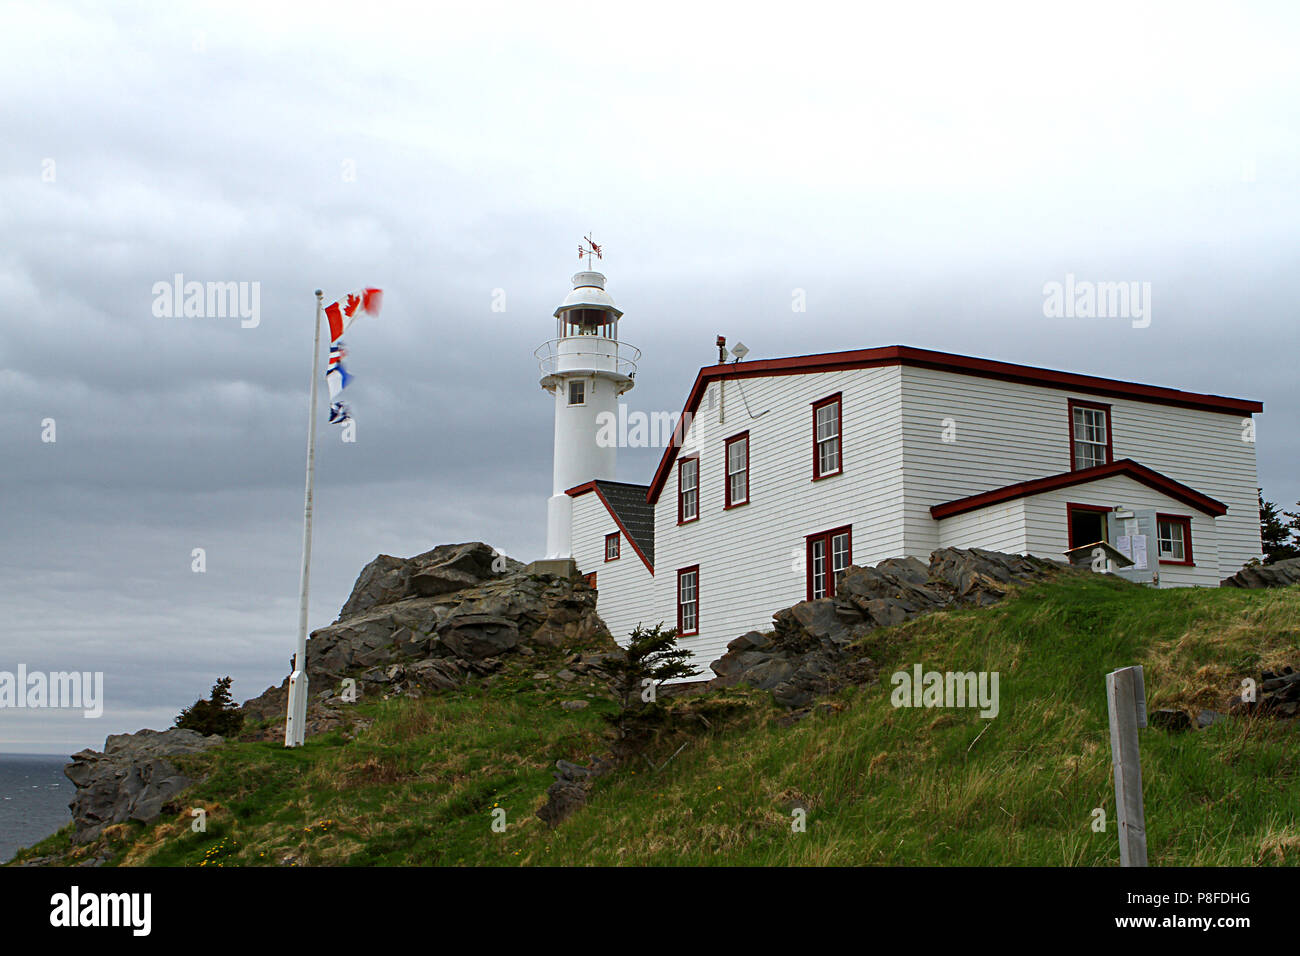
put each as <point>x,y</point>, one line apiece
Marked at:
<point>919,171</point>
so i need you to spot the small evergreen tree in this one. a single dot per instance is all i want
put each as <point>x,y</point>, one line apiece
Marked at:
<point>650,658</point>
<point>216,715</point>
<point>1276,535</point>
<point>1294,527</point>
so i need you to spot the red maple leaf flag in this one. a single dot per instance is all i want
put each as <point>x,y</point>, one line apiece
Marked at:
<point>342,313</point>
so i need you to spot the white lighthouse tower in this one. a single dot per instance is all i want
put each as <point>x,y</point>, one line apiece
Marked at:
<point>586,368</point>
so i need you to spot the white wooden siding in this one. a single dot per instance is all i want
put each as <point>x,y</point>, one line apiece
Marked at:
<point>896,465</point>
<point>1048,532</point>
<point>1008,432</point>
<point>999,527</point>
<point>625,597</point>
<point>751,557</point>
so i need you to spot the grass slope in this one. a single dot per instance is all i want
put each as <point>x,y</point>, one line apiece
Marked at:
<point>881,785</point>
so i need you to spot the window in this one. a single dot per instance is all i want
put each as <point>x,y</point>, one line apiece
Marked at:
<point>1085,524</point>
<point>688,600</point>
<point>737,470</point>
<point>1089,435</point>
<point>826,437</point>
<point>611,546</point>
<point>577,393</point>
<point>1174,537</point>
<point>829,553</point>
<point>688,490</point>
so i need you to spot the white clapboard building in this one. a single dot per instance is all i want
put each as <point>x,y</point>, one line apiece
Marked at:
<point>789,470</point>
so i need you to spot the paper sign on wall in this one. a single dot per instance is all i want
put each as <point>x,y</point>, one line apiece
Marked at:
<point>1139,554</point>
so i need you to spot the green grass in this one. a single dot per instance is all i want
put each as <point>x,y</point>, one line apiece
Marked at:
<point>881,785</point>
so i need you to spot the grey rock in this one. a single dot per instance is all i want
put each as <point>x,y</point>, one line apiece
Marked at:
<point>400,618</point>
<point>809,652</point>
<point>1171,720</point>
<point>1279,574</point>
<point>479,635</point>
<point>750,641</point>
<point>1277,697</point>
<point>570,790</point>
<point>436,674</point>
<point>434,581</point>
<point>575,705</point>
<point>130,780</point>
<point>1208,718</point>
<point>446,568</point>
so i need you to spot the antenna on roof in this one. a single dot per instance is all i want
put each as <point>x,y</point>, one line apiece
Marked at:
<point>739,351</point>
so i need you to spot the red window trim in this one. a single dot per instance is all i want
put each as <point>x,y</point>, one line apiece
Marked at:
<point>1070,509</point>
<point>1100,406</point>
<point>726,465</point>
<point>1186,522</point>
<point>903,355</point>
<point>830,574</point>
<point>618,546</point>
<point>681,462</point>
<point>680,572</point>
<point>838,398</point>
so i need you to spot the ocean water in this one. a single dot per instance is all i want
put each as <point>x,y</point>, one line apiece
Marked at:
<point>34,797</point>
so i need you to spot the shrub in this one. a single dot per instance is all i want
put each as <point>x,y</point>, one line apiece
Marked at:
<point>650,658</point>
<point>216,715</point>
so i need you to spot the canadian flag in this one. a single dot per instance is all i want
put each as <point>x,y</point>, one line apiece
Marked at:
<point>344,312</point>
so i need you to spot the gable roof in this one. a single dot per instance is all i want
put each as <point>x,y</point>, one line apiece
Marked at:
<point>631,510</point>
<point>1126,467</point>
<point>943,361</point>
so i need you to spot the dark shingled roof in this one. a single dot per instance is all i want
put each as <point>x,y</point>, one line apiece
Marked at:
<point>630,506</point>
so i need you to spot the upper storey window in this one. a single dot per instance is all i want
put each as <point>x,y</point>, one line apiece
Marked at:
<point>578,393</point>
<point>826,437</point>
<point>1089,435</point>
<point>688,490</point>
<point>737,470</point>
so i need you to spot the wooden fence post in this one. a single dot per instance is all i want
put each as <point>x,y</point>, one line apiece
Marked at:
<point>1126,700</point>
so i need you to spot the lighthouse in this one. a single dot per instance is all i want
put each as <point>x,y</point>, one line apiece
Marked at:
<point>585,368</point>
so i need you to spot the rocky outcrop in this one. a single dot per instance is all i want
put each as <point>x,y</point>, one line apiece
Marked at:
<point>131,780</point>
<point>430,623</point>
<point>447,568</point>
<point>807,653</point>
<point>1277,695</point>
<point>1277,575</point>
<point>571,788</point>
<point>411,626</point>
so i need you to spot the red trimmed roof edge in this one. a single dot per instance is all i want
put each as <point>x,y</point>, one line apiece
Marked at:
<point>587,486</point>
<point>943,361</point>
<point>1125,466</point>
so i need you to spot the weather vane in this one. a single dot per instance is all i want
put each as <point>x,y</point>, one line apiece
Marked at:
<point>590,249</point>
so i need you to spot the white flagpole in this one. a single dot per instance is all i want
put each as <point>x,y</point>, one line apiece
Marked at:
<point>296,719</point>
